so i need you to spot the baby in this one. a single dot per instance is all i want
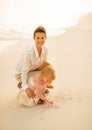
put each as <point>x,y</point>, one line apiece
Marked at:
<point>39,81</point>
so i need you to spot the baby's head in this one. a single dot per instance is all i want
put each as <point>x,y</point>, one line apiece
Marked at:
<point>48,74</point>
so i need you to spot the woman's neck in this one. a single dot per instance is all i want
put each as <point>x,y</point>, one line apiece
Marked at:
<point>39,51</point>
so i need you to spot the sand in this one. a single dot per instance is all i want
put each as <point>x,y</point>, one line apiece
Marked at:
<point>71,55</point>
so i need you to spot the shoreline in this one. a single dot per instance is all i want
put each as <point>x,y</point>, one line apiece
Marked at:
<point>52,32</point>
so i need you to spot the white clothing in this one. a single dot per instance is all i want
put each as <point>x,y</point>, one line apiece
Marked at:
<point>29,62</point>
<point>23,99</point>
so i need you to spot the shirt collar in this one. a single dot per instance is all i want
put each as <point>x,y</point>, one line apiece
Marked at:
<point>36,52</point>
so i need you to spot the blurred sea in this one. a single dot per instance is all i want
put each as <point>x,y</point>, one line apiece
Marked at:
<point>9,33</point>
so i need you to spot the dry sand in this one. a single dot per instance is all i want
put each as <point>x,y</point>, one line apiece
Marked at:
<point>71,55</point>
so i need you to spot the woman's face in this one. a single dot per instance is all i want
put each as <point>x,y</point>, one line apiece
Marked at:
<point>40,39</point>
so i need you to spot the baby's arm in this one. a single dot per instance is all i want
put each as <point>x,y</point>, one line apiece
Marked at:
<point>39,92</point>
<point>41,96</point>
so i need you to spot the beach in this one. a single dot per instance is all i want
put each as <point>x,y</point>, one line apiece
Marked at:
<point>71,55</point>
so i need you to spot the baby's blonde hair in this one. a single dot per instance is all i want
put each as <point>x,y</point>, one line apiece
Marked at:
<point>48,71</point>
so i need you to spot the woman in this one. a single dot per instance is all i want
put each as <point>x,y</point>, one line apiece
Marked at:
<point>34,58</point>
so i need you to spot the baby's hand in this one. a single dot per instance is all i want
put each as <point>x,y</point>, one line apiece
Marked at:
<point>50,103</point>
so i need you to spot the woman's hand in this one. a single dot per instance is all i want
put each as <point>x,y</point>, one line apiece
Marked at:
<point>30,93</point>
<point>44,64</point>
<point>50,86</point>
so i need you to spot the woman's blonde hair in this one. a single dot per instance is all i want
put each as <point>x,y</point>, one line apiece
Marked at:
<point>48,71</point>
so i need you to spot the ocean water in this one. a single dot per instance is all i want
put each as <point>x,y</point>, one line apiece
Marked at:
<point>19,18</point>
<point>9,33</point>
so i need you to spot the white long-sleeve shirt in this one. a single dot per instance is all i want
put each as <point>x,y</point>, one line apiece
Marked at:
<point>30,61</point>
